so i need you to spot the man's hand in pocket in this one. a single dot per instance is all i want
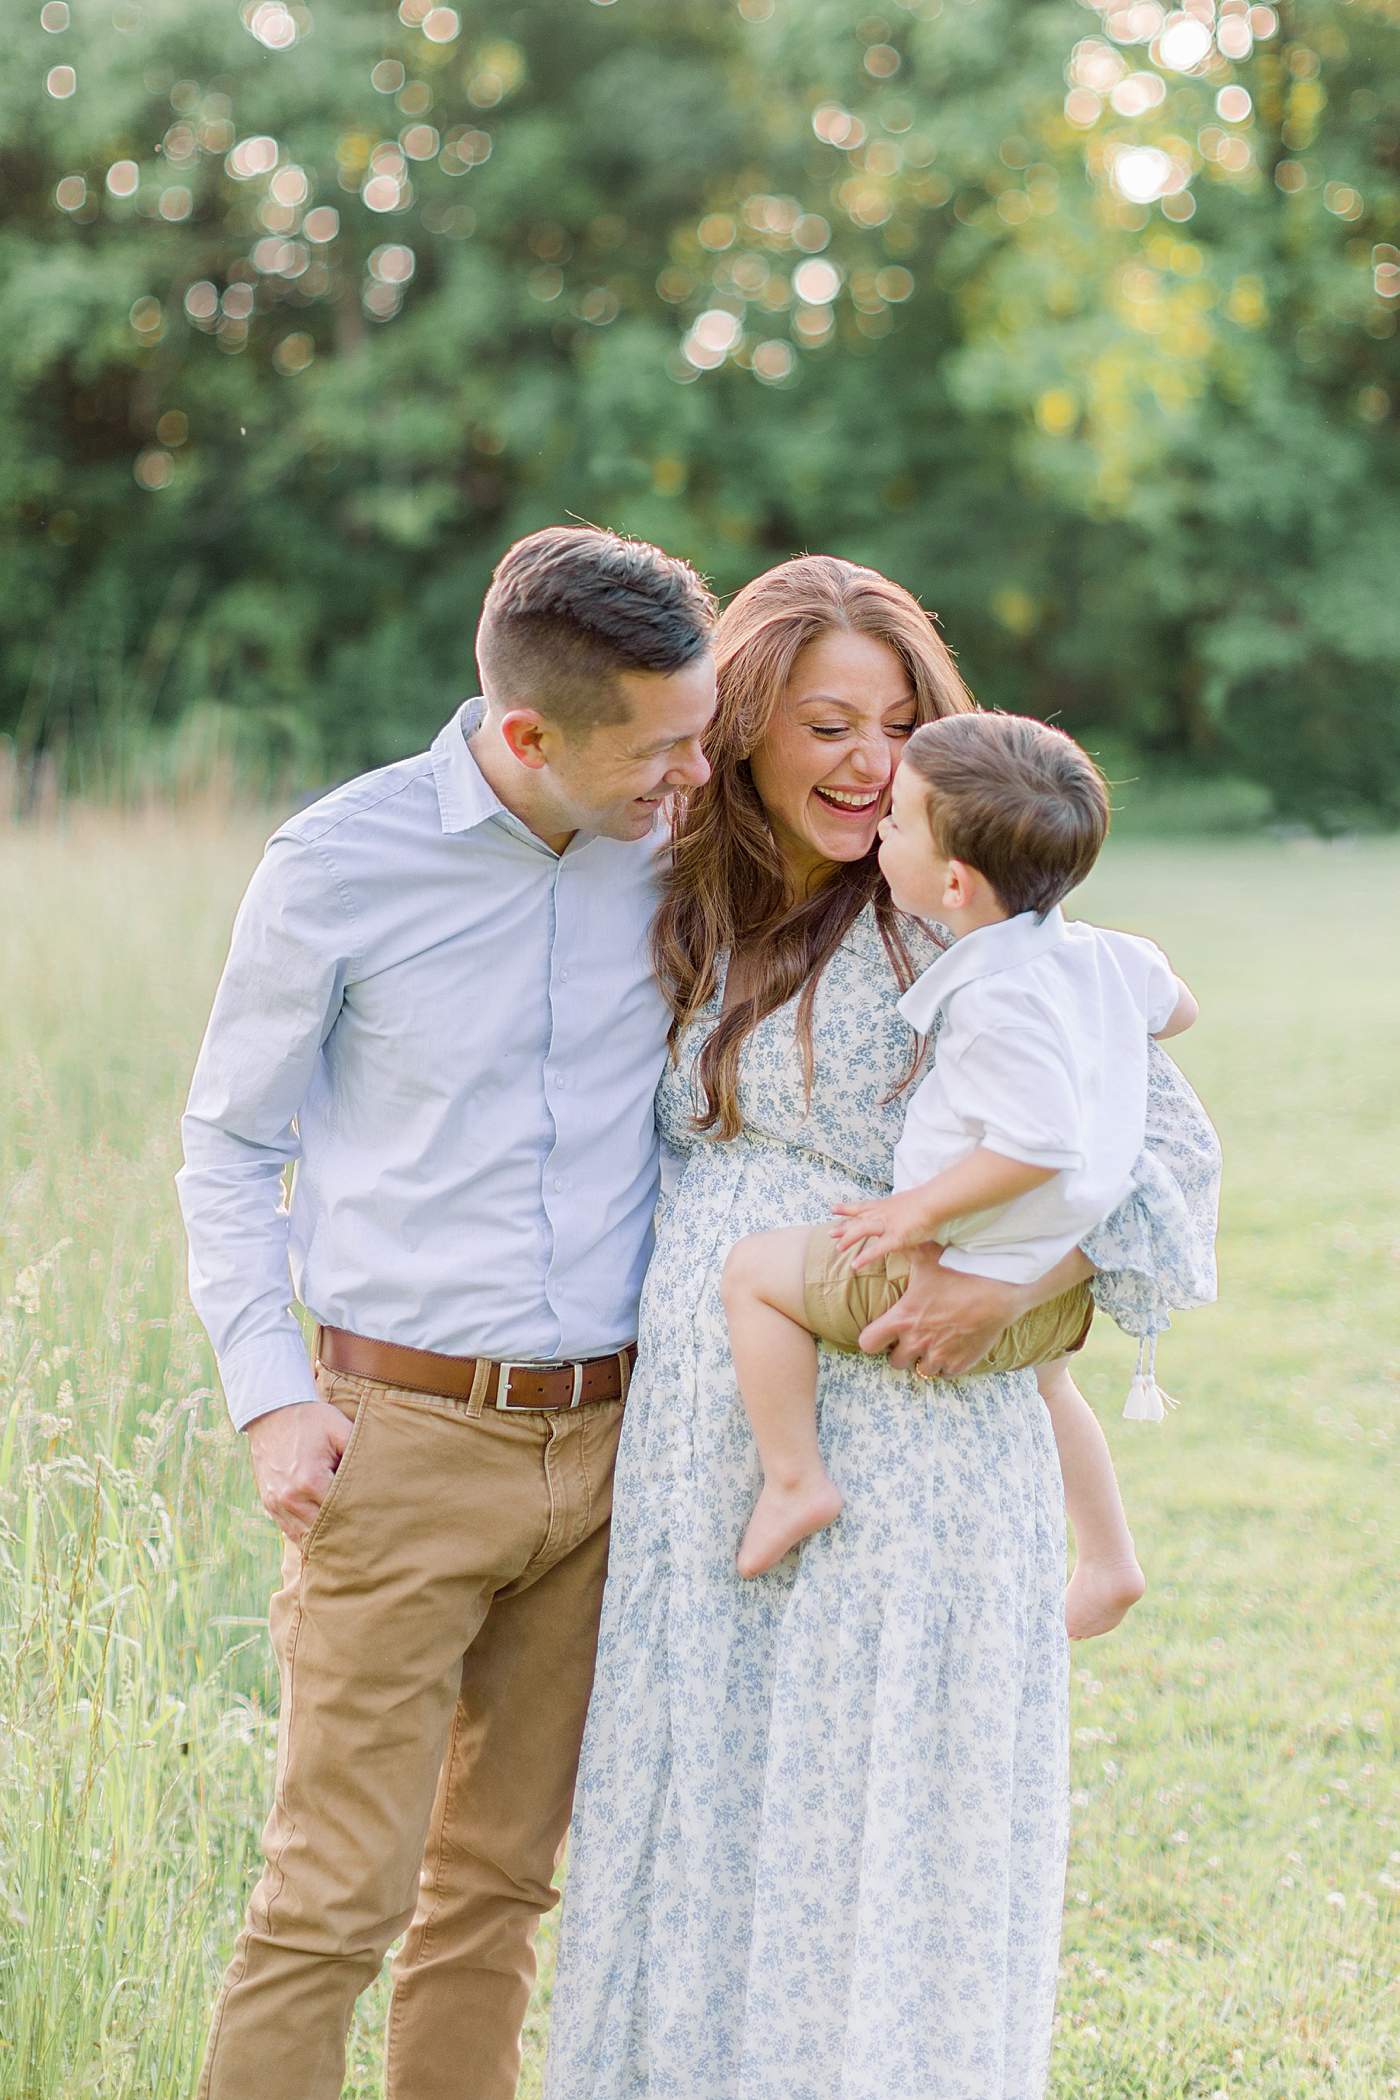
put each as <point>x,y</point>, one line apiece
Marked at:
<point>296,1452</point>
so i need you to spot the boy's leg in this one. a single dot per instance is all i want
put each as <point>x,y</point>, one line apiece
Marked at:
<point>775,1359</point>
<point>433,1514</point>
<point>1107,1580</point>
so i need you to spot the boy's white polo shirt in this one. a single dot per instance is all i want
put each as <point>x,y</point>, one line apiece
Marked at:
<point>1043,1058</point>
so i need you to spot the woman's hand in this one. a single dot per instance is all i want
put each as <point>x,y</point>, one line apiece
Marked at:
<point>946,1322</point>
<point>892,1226</point>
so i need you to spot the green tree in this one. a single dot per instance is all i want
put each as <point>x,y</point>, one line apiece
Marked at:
<point>744,281</point>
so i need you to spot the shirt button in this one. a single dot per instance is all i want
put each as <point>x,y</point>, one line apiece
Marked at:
<point>558,1079</point>
<point>563,976</point>
<point>557,1182</point>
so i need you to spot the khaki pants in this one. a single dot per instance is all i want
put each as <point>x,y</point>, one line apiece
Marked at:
<point>435,1642</point>
<point>840,1302</point>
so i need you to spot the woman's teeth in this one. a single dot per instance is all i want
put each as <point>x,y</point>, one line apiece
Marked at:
<point>849,798</point>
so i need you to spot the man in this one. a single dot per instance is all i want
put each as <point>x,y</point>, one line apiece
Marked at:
<point>438,1004</point>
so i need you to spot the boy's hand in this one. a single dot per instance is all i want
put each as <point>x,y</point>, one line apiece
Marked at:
<point>891,1226</point>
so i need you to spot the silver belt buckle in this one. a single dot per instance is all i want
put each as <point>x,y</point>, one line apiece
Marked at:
<point>503,1377</point>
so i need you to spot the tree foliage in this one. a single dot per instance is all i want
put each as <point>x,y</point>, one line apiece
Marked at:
<point>305,319</point>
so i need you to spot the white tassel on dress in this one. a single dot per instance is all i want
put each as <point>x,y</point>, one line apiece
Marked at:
<point>1146,1401</point>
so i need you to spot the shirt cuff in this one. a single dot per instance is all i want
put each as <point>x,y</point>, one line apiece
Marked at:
<point>268,1372</point>
<point>1055,1159</point>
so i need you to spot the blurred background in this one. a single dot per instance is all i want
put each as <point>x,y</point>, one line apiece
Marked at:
<point>1081,323</point>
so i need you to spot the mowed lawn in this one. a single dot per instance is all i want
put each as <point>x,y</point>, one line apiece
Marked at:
<point>1230,1915</point>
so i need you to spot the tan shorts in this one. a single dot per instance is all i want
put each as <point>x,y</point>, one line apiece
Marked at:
<point>839,1301</point>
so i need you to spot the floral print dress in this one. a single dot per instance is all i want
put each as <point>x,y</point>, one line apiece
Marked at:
<point>820,1832</point>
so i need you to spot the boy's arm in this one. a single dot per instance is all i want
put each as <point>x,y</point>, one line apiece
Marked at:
<point>985,1180</point>
<point>1183,1015</point>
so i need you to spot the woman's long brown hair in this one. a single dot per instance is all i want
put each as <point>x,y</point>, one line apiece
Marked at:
<point>727,889</point>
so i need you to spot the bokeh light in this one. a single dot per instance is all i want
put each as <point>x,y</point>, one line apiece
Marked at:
<point>55,16</point>
<point>1137,94</point>
<point>61,82</point>
<point>837,127</point>
<point>813,325</point>
<point>441,25</point>
<point>293,354</point>
<point>253,156</point>
<point>774,361</point>
<point>202,302</point>
<point>388,76</point>
<point>463,149</point>
<point>154,469</point>
<point>713,335</point>
<point>71,193</point>
<point>237,302</point>
<point>1234,104</point>
<point>176,203</point>
<point>123,178</point>
<point>816,282</point>
<point>173,428</point>
<point>1141,173</point>
<point>290,186</point>
<point>1184,44</point>
<point>1135,25</point>
<point>1343,201</point>
<point>392,264</point>
<point>147,318</point>
<point>716,232</point>
<point>1234,36</point>
<point>272,24</point>
<point>322,225</point>
<point>419,141</point>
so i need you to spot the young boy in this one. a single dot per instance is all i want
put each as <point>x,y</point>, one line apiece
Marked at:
<point>1021,1139</point>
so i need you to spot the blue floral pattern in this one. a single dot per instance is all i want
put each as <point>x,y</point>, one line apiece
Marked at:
<point>820,1834</point>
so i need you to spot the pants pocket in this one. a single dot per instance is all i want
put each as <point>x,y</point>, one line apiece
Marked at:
<point>358,1411</point>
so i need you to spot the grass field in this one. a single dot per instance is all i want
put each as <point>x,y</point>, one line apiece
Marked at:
<point>1230,1919</point>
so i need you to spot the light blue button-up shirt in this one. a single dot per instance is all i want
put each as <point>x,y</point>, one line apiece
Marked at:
<point>455,1035</point>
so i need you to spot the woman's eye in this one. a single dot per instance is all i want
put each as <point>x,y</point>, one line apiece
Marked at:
<point>827,729</point>
<point>901,728</point>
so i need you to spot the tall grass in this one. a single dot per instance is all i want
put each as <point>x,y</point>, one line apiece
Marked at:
<point>1235,1767</point>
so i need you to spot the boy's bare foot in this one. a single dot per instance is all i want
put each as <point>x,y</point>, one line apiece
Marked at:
<point>1101,1593</point>
<point>782,1517</point>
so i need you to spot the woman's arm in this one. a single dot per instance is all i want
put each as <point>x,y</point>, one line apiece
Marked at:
<point>946,1322</point>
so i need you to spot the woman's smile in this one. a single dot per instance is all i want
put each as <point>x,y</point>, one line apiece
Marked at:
<point>848,708</point>
<point>856,802</point>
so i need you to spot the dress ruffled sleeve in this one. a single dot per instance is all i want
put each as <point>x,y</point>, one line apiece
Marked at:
<point>1156,1253</point>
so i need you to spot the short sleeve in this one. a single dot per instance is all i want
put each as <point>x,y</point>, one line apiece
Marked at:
<point>1013,1090</point>
<point>1148,974</point>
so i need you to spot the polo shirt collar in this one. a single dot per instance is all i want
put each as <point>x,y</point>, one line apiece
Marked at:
<point>464,798</point>
<point>984,953</point>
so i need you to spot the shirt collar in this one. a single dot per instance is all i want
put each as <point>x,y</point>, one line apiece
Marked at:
<point>464,797</point>
<point>984,953</point>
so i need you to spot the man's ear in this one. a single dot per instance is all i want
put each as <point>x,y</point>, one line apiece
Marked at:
<point>528,737</point>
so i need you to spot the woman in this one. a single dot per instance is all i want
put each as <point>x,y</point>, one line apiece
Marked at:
<point>821,1823</point>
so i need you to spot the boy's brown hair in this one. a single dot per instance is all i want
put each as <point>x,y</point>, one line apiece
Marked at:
<point>1015,799</point>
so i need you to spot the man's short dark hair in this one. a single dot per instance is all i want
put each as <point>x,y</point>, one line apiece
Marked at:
<point>1015,799</point>
<point>571,607</point>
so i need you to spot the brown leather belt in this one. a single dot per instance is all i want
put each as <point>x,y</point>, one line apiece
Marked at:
<point>536,1388</point>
